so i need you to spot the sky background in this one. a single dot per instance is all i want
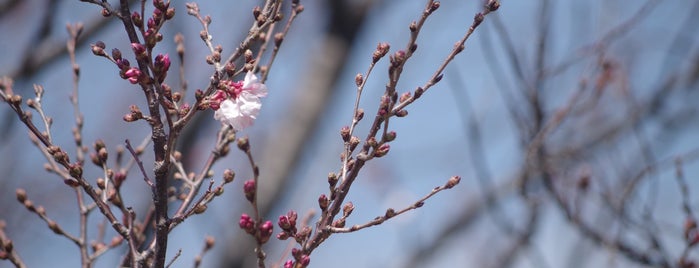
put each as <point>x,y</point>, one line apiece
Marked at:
<point>432,143</point>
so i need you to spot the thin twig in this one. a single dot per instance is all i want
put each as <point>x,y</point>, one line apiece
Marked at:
<point>390,213</point>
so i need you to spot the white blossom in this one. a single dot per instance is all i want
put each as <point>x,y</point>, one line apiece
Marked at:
<point>242,104</point>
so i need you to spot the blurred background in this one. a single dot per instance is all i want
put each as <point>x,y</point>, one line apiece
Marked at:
<point>573,125</point>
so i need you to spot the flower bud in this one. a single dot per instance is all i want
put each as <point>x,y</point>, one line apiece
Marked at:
<point>278,39</point>
<point>477,19</point>
<point>453,181</point>
<point>266,230</point>
<point>381,50</point>
<point>347,209</point>
<point>390,213</point>
<point>404,97</point>
<point>29,205</point>
<point>372,142</point>
<point>137,19</point>
<point>98,49</point>
<point>323,202</point>
<point>390,136</point>
<point>119,178</point>
<point>21,195</point>
<point>102,154</point>
<point>418,92</point>
<point>162,62</point>
<point>133,75</point>
<point>397,58</point>
<point>249,188</point>
<point>243,144</point>
<point>435,6</point>
<point>296,253</point>
<point>228,175</point>
<point>332,179</point>
<point>229,68</point>
<point>256,12</point>
<point>201,208</point>
<point>71,182</point>
<point>138,49</point>
<point>493,5</point>
<point>170,13</point>
<point>284,223</point>
<point>345,133</point>
<point>339,223</point>
<point>359,115</point>
<point>354,141</point>
<point>248,56</point>
<point>382,150</point>
<point>283,236</point>
<point>358,80</point>
<point>305,260</point>
<point>116,54</point>
<point>54,227</point>
<point>458,47</point>
<point>210,241</point>
<point>246,223</point>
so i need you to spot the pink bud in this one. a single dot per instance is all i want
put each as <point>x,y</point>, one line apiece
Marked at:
<point>305,260</point>
<point>382,150</point>
<point>138,48</point>
<point>284,222</point>
<point>123,64</point>
<point>162,62</point>
<point>249,189</point>
<point>266,230</point>
<point>133,75</point>
<point>246,223</point>
<point>151,23</point>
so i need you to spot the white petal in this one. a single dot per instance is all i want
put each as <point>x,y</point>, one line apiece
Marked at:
<point>249,104</point>
<point>251,84</point>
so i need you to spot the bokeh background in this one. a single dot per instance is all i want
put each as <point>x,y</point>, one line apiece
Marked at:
<point>565,119</point>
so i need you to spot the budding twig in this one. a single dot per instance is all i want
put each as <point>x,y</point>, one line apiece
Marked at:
<point>390,213</point>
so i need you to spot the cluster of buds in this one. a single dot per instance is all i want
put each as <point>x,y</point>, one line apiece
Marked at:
<point>151,36</point>
<point>132,74</point>
<point>381,148</point>
<point>288,225</point>
<point>151,33</point>
<point>300,259</point>
<point>381,50</point>
<point>99,156</point>
<point>384,106</point>
<point>262,232</point>
<point>397,59</point>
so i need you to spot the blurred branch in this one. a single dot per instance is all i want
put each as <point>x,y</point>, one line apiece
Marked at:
<point>463,220</point>
<point>52,50</point>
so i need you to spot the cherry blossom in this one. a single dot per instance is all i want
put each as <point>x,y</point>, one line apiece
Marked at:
<point>239,104</point>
